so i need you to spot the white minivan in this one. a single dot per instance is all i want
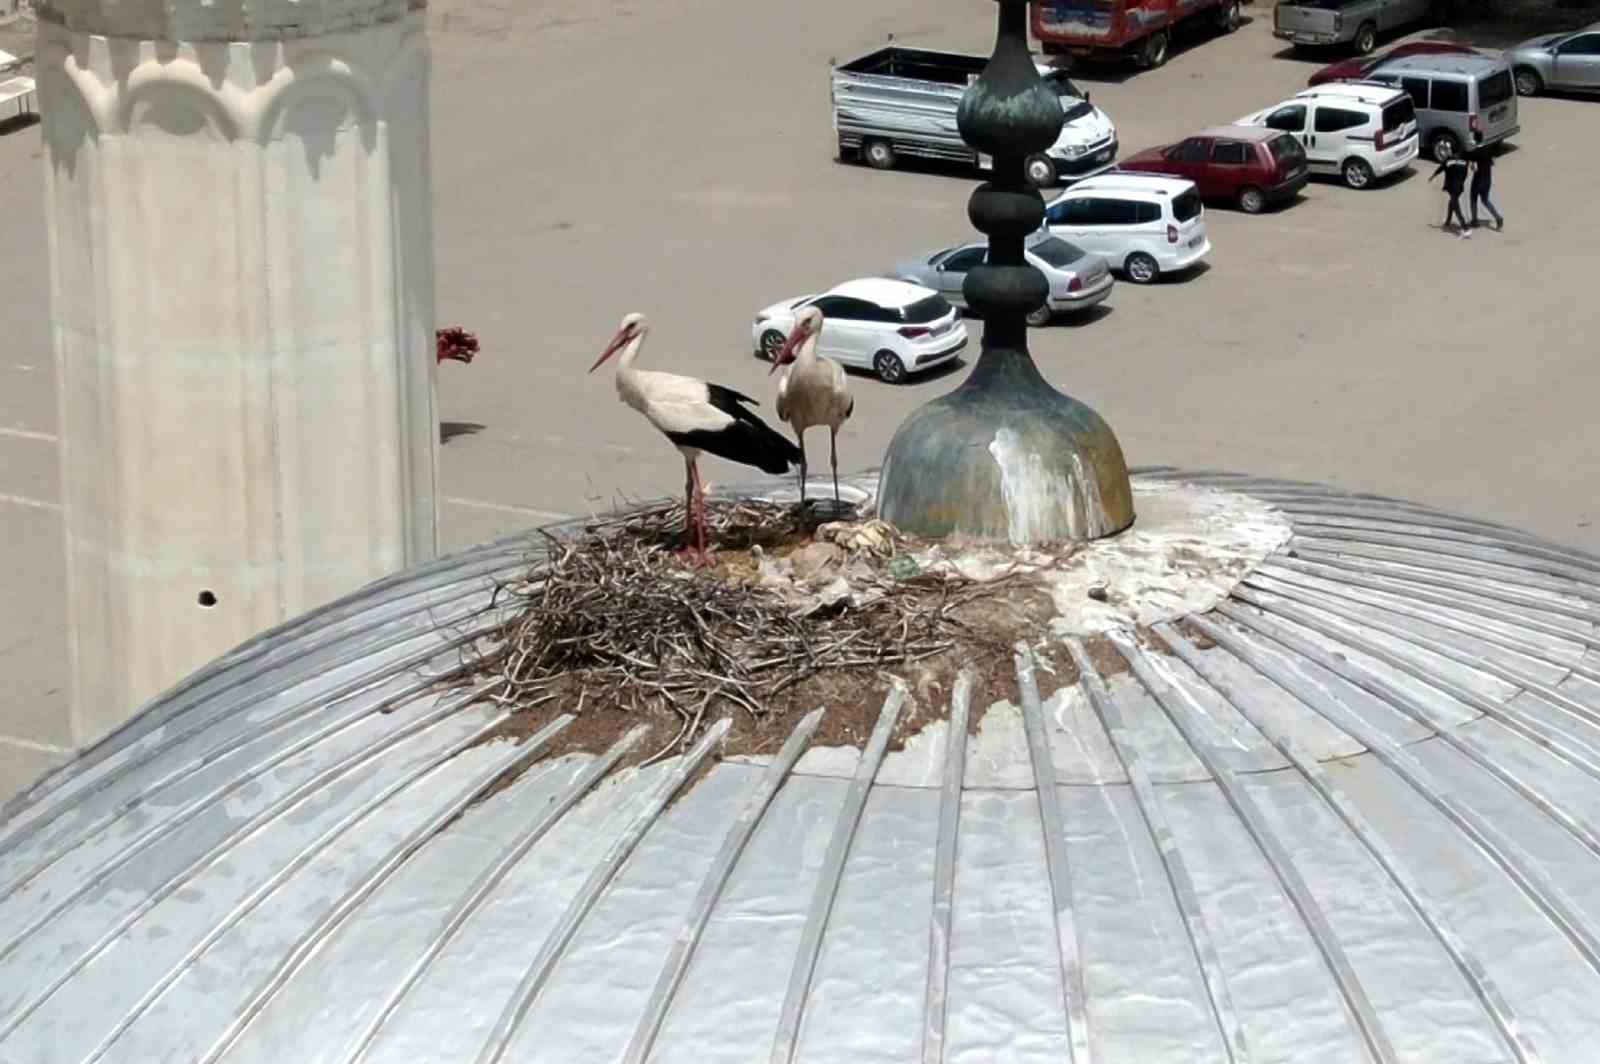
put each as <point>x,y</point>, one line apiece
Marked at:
<point>1358,131</point>
<point>1143,225</point>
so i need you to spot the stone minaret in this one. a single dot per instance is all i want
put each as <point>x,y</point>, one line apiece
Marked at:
<point>241,262</point>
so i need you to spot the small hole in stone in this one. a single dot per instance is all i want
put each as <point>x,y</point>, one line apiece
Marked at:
<point>1098,593</point>
<point>207,599</point>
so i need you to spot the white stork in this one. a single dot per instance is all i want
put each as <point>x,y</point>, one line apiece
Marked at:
<point>813,393</point>
<point>695,416</point>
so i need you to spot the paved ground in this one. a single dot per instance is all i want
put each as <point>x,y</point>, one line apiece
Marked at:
<point>675,157</point>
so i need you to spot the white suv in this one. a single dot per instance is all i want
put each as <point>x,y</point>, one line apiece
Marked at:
<point>1143,225</point>
<point>1359,131</point>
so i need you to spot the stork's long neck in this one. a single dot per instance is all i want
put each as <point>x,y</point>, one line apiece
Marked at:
<point>628,374</point>
<point>807,355</point>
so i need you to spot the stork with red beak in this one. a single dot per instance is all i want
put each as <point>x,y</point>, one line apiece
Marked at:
<point>814,392</point>
<point>697,417</point>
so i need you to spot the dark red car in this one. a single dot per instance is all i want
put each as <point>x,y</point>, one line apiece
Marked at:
<point>1362,65</point>
<point>1249,166</point>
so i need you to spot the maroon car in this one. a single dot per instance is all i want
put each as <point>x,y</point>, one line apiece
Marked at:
<point>1250,166</point>
<point>1362,65</point>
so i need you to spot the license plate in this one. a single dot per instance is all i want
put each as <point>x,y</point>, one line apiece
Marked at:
<point>1103,156</point>
<point>1197,241</point>
<point>940,330</point>
<point>1498,113</point>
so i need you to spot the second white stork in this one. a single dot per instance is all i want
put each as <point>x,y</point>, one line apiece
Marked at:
<point>813,392</point>
<point>697,417</point>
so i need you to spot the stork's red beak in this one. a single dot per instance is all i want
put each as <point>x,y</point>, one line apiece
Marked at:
<point>612,348</point>
<point>786,353</point>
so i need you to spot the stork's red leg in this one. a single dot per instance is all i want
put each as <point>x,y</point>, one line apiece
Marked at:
<point>694,517</point>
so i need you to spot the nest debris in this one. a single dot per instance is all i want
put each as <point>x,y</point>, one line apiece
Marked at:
<point>611,617</point>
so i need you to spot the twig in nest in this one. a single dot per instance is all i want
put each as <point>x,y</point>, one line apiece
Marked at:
<point>612,613</point>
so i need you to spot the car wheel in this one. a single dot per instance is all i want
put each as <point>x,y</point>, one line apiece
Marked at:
<point>1444,145</point>
<point>1252,200</point>
<point>1356,172</point>
<point>771,344</point>
<point>879,154</point>
<point>1155,50</point>
<point>1041,316</point>
<point>1039,170</point>
<point>1142,268</point>
<point>1366,39</point>
<point>1228,16</point>
<point>1529,83</point>
<point>888,367</point>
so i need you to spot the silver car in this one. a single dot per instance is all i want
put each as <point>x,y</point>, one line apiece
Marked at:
<point>1357,22</point>
<point>1568,61</point>
<point>1462,101</point>
<point>1078,280</point>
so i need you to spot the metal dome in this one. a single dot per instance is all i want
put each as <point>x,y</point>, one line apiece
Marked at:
<point>1347,813</point>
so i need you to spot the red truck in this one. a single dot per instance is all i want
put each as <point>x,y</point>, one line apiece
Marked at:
<point>1123,29</point>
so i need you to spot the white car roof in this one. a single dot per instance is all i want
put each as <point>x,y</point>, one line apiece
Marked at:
<point>882,291</point>
<point>1356,92</point>
<point>1144,184</point>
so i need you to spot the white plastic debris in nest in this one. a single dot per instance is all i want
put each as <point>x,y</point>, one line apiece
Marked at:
<point>820,575</point>
<point>1188,549</point>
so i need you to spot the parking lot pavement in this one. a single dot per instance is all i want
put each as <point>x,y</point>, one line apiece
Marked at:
<point>677,158</point>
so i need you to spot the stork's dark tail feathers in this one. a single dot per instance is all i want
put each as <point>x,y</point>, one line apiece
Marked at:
<point>749,440</point>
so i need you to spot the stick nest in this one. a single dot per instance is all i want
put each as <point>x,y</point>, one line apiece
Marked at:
<point>612,617</point>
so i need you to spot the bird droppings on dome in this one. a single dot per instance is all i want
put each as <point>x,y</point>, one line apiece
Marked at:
<point>1344,810</point>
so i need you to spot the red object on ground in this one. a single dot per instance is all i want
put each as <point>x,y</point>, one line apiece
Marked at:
<point>1249,166</point>
<point>457,344</point>
<point>1361,66</point>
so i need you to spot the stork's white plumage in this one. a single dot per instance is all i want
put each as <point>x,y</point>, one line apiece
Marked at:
<point>813,392</point>
<point>697,417</point>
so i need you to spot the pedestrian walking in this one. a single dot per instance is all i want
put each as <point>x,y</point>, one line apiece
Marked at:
<point>1454,170</point>
<point>1482,182</point>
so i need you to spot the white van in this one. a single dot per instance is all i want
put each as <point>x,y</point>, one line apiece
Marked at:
<point>1358,131</point>
<point>1143,225</point>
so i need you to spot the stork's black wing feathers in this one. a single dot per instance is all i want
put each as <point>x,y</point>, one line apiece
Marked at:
<point>727,400</point>
<point>748,441</point>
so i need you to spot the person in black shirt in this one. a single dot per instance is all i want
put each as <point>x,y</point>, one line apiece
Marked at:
<point>1482,181</point>
<point>1454,170</point>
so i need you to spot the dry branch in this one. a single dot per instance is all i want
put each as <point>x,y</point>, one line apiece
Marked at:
<point>613,616</point>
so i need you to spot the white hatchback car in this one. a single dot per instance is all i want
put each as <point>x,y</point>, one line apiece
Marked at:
<point>1141,224</point>
<point>893,328</point>
<point>1358,131</point>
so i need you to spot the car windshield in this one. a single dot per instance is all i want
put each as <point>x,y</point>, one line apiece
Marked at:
<point>939,256</point>
<point>929,308</point>
<point>1186,205</point>
<point>1286,149</point>
<point>1056,252</point>
<point>1496,88</point>
<point>1398,113</point>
